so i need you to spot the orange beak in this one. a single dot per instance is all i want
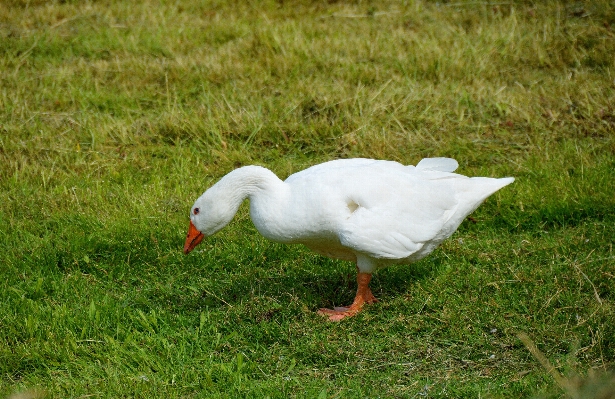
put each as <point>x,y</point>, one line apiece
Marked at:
<point>193,238</point>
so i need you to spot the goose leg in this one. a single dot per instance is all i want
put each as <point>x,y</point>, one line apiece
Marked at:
<point>364,295</point>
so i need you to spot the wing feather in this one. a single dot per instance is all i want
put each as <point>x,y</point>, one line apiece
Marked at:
<point>396,228</point>
<point>438,164</point>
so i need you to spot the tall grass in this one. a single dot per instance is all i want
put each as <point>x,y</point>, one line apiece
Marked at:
<point>115,116</point>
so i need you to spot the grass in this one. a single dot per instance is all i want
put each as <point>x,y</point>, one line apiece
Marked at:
<point>115,116</point>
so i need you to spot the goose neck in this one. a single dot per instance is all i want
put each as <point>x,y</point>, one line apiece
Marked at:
<point>248,182</point>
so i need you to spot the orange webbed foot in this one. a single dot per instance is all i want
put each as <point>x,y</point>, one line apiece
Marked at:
<point>364,295</point>
<point>338,313</point>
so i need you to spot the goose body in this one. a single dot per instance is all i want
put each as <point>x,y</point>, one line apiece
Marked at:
<point>372,212</point>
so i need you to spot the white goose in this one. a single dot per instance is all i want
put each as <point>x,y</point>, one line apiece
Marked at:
<point>375,213</point>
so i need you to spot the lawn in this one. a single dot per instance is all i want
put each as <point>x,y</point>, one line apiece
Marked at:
<point>116,115</point>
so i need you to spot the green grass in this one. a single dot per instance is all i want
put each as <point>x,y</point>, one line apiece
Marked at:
<point>115,116</point>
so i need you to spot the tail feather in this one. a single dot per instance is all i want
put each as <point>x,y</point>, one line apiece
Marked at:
<point>492,185</point>
<point>482,187</point>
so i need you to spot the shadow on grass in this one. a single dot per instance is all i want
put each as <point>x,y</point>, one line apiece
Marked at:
<point>549,216</point>
<point>229,271</point>
<point>316,283</point>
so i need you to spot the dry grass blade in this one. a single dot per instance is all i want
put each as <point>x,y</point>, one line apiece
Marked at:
<point>562,382</point>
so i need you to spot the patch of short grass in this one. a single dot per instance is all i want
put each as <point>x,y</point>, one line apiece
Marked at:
<point>115,116</point>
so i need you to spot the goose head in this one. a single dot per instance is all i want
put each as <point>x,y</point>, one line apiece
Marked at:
<point>210,213</point>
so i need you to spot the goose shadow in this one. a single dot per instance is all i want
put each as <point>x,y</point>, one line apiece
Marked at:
<point>318,282</point>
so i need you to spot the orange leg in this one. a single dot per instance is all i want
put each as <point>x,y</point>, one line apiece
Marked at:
<point>364,295</point>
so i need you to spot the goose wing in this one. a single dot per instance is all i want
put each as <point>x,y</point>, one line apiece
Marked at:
<point>397,216</point>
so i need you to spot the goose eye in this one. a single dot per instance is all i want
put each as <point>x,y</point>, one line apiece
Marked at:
<point>196,211</point>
